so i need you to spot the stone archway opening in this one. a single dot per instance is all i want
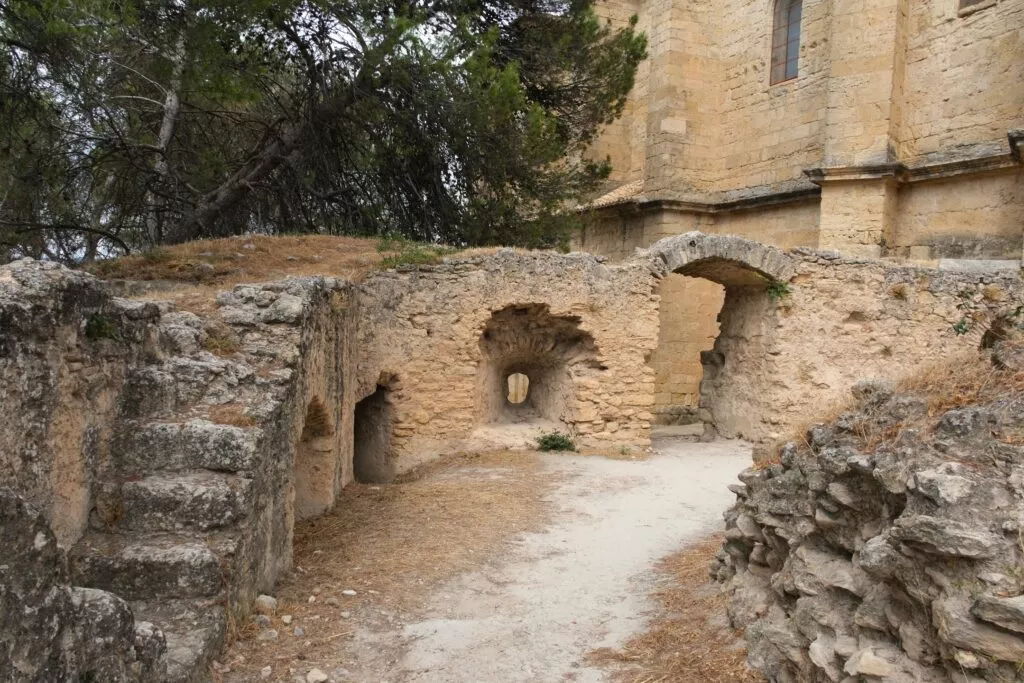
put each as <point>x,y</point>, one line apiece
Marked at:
<point>687,327</point>
<point>314,462</point>
<point>738,280</point>
<point>529,360</point>
<point>372,458</point>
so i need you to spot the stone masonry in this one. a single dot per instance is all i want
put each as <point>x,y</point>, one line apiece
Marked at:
<point>886,545</point>
<point>156,460</point>
<point>899,138</point>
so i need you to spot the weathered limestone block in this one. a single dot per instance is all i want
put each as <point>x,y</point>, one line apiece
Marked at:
<point>1005,612</point>
<point>957,627</point>
<point>50,631</point>
<point>946,536</point>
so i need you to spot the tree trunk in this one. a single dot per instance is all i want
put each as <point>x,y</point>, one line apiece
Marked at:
<point>172,106</point>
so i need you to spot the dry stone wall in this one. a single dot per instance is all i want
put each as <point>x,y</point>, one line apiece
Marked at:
<point>894,556</point>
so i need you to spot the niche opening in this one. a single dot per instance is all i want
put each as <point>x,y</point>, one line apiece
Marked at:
<point>374,422</point>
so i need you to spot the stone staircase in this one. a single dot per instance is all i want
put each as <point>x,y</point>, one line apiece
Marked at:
<point>176,528</point>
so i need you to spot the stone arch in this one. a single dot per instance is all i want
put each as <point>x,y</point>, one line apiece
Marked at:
<point>726,259</point>
<point>734,374</point>
<point>314,462</point>
<point>550,350</point>
<point>374,423</point>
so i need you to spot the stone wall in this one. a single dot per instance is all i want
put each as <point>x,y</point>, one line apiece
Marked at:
<point>961,218</point>
<point>421,330</point>
<point>51,631</point>
<point>964,86</point>
<point>886,545</point>
<point>900,130</point>
<point>781,357</point>
<point>167,477</point>
<point>65,346</point>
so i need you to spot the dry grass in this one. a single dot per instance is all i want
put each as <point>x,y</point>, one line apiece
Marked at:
<point>229,414</point>
<point>197,270</point>
<point>959,380</point>
<point>393,545</point>
<point>900,290</point>
<point>252,258</point>
<point>688,642</point>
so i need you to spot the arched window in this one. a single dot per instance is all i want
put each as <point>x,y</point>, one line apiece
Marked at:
<point>786,40</point>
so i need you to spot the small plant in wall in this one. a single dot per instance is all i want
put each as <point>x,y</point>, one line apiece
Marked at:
<point>555,441</point>
<point>778,290</point>
<point>100,327</point>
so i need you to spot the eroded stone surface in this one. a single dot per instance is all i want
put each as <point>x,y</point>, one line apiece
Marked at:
<point>175,475</point>
<point>900,572</point>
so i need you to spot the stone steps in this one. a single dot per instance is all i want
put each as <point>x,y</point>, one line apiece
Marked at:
<point>194,630</point>
<point>174,501</point>
<point>159,391</point>
<point>145,447</point>
<point>147,566</point>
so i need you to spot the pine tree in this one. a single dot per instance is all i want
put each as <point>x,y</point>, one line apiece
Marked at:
<point>129,124</point>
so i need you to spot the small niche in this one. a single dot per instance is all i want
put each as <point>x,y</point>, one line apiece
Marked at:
<point>518,388</point>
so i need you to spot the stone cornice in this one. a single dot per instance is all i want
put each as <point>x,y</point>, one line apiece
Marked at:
<point>825,174</point>
<point>914,174</point>
<point>649,205</point>
<point>1016,138</point>
<point>896,171</point>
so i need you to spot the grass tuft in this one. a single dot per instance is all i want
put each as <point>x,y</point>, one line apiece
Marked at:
<point>402,252</point>
<point>555,441</point>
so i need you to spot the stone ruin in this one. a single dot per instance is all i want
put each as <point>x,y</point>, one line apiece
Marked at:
<point>150,487</point>
<point>901,560</point>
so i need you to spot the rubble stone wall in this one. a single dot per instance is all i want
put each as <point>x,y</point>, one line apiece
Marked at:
<point>886,546</point>
<point>65,345</point>
<point>784,356</point>
<point>845,319</point>
<point>422,330</point>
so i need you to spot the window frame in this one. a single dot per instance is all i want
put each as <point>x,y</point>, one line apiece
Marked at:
<point>784,39</point>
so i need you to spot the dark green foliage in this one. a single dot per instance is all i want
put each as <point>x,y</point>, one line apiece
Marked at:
<point>129,124</point>
<point>100,327</point>
<point>778,290</point>
<point>405,252</point>
<point>555,441</point>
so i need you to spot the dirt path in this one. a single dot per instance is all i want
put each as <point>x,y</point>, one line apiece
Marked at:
<point>528,607</point>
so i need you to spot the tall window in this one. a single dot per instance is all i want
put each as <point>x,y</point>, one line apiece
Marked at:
<point>786,40</point>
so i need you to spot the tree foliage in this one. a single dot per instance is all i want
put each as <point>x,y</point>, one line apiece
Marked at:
<point>130,123</point>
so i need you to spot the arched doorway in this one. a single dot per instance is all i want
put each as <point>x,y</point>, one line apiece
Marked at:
<point>372,460</point>
<point>754,278</point>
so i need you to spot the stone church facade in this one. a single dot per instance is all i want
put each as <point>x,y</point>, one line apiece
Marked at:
<point>877,128</point>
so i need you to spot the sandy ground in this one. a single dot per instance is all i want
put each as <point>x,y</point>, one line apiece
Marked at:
<point>534,611</point>
<point>581,584</point>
